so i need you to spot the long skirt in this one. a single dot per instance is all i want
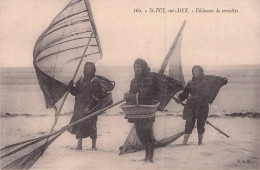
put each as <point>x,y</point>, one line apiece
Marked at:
<point>87,128</point>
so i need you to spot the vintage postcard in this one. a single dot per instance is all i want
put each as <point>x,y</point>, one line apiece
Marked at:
<point>129,84</point>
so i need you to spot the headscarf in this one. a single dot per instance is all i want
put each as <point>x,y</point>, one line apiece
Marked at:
<point>93,72</point>
<point>145,68</point>
<point>200,70</point>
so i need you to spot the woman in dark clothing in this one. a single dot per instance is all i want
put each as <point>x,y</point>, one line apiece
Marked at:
<point>197,106</point>
<point>88,92</point>
<point>143,86</point>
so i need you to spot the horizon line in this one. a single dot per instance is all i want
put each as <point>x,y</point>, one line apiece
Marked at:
<point>123,65</point>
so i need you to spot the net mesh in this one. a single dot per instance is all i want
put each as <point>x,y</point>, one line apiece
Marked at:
<point>175,66</point>
<point>60,47</point>
<point>215,83</point>
<point>23,155</point>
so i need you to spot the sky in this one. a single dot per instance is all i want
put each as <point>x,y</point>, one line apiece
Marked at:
<point>208,38</point>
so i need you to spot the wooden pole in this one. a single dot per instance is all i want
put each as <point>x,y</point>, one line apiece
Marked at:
<point>217,129</point>
<point>166,59</point>
<point>94,114</point>
<point>92,22</point>
<point>174,98</point>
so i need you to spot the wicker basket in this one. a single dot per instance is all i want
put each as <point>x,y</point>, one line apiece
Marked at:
<point>140,111</point>
<point>108,100</point>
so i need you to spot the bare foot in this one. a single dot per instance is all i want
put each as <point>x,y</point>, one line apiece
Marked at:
<point>79,148</point>
<point>145,159</point>
<point>150,160</point>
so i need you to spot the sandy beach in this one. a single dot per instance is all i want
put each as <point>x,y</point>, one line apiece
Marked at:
<point>240,151</point>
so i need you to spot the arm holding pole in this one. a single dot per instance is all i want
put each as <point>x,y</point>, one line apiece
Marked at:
<point>174,98</point>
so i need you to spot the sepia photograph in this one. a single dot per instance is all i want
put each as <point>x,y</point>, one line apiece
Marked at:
<point>130,84</point>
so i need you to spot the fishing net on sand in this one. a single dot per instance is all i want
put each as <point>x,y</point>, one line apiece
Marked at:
<point>24,154</point>
<point>133,144</point>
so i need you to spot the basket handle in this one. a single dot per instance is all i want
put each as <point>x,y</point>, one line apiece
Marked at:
<point>136,97</point>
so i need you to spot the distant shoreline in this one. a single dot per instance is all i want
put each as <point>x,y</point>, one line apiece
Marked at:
<point>239,65</point>
<point>252,115</point>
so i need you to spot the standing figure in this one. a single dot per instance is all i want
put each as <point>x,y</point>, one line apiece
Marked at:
<point>88,93</point>
<point>143,86</point>
<point>197,105</point>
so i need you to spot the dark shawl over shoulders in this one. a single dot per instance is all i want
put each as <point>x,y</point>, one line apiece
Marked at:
<point>197,93</point>
<point>146,88</point>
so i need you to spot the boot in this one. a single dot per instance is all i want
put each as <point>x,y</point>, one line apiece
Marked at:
<point>146,153</point>
<point>200,137</point>
<point>94,144</point>
<point>79,146</point>
<point>185,139</point>
<point>151,152</point>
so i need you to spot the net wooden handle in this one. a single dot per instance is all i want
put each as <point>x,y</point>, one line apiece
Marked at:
<point>136,97</point>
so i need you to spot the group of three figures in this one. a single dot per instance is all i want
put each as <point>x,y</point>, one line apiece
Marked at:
<point>88,94</point>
